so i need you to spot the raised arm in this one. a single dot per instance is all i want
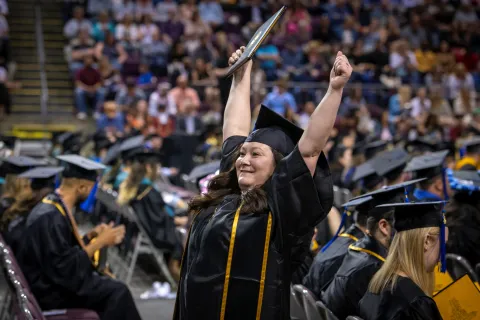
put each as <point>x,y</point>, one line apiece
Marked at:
<point>321,121</point>
<point>237,116</point>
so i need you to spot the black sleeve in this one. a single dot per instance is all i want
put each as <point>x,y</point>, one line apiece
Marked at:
<point>422,308</point>
<point>299,200</point>
<point>228,150</point>
<point>65,263</point>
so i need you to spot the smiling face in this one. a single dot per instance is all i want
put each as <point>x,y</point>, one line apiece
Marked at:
<point>255,165</point>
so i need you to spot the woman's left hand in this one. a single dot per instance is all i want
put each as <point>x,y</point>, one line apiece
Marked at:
<point>341,72</point>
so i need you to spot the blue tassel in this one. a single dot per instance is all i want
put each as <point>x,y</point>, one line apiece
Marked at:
<point>89,204</point>
<point>443,244</point>
<point>58,180</point>
<point>444,182</point>
<point>462,152</point>
<point>406,195</point>
<point>342,223</point>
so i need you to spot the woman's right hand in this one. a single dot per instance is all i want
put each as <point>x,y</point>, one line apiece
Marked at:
<point>234,58</point>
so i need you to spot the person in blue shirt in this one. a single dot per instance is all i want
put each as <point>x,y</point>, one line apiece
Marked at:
<point>280,100</point>
<point>111,120</point>
<point>269,57</point>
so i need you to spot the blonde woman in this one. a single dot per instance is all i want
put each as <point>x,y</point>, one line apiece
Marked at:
<point>403,287</point>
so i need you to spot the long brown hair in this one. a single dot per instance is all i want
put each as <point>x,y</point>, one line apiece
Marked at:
<point>226,183</point>
<point>14,185</point>
<point>129,188</point>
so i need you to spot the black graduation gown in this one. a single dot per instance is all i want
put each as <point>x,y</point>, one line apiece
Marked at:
<point>14,233</point>
<point>362,261</point>
<point>59,271</point>
<point>406,302</point>
<point>250,277</point>
<point>149,208</point>
<point>5,203</point>
<point>326,264</point>
<point>464,232</point>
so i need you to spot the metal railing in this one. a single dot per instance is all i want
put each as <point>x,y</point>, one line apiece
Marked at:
<point>41,61</point>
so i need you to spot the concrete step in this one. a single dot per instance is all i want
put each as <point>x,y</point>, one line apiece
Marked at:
<point>52,92</point>
<point>48,67</point>
<point>52,84</point>
<point>32,44</point>
<point>37,109</point>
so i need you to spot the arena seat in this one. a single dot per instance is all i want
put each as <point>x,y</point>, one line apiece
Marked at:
<point>458,266</point>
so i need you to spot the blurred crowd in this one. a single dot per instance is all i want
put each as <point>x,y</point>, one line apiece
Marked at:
<point>6,67</point>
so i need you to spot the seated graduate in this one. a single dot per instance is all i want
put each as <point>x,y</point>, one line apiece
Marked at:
<point>10,168</point>
<point>365,256</point>
<point>138,191</point>
<point>58,263</point>
<point>374,148</point>
<point>432,167</point>
<point>403,287</point>
<point>471,157</point>
<point>274,186</point>
<point>327,262</point>
<point>390,165</point>
<point>42,182</point>
<point>463,215</point>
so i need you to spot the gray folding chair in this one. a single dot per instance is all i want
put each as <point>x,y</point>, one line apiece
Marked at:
<point>323,308</point>
<point>308,303</point>
<point>458,266</point>
<point>353,318</point>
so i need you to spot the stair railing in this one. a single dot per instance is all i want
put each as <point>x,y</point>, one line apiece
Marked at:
<point>41,61</point>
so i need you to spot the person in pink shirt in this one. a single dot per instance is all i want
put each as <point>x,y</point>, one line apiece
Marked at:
<point>183,94</point>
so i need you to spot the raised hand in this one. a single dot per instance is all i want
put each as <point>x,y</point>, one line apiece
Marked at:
<point>111,236</point>
<point>234,58</point>
<point>341,72</point>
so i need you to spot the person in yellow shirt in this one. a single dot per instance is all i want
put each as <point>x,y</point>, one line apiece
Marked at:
<point>426,58</point>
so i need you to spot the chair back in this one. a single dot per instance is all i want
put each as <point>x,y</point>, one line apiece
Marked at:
<point>323,309</point>
<point>353,318</point>
<point>458,266</point>
<point>296,304</point>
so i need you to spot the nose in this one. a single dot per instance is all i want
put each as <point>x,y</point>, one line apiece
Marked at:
<point>245,160</point>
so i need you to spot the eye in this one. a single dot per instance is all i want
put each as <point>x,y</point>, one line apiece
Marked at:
<point>255,154</point>
<point>242,153</point>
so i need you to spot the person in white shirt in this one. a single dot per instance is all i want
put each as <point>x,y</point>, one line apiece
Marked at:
<point>127,27</point>
<point>163,9</point>
<point>161,97</point>
<point>147,29</point>
<point>421,104</point>
<point>77,23</point>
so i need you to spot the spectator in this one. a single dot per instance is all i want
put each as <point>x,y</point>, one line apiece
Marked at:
<point>337,12</point>
<point>397,105</point>
<point>112,50</point>
<point>202,74</point>
<point>304,116</point>
<point>127,30</point>
<point>146,80</point>
<point>414,32</point>
<point>211,12</point>
<point>420,105</point>
<point>194,30</point>
<point>324,32</point>
<point>123,7</point>
<point>270,57</point>
<point>466,14</point>
<point>77,23</point>
<point>280,100</point>
<point>4,29</point>
<point>102,26</point>
<point>137,117</point>
<point>156,54</point>
<point>111,120</point>
<point>392,31</point>
<point>437,79</point>
<point>163,123</point>
<point>147,30</point>
<point>292,57</point>
<point>161,97</point>
<point>95,8</point>
<point>110,78</point>
<point>188,9</point>
<point>254,15</point>
<point>183,95</point>
<point>3,7</point>
<point>441,108</point>
<point>88,84</point>
<point>174,26</point>
<point>144,7</point>
<point>458,80</point>
<point>426,58</point>
<point>81,47</point>
<point>130,95</point>
<point>403,62</point>
<point>224,48</point>
<point>464,103</point>
<point>203,50</point>
<point>164,10</point>
<point>189,122</point>
<point>297,22</point>
<point>353,102</point>
<point>445,57</point>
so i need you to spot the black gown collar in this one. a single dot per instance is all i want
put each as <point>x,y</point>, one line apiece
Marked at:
<point>370,246</point>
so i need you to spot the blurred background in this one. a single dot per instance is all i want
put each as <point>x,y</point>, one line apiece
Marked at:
<point>79,76</point>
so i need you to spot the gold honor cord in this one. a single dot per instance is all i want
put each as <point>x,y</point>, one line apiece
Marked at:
<point>264,266</point>
<point>346,235</point>
<point>379,257</point>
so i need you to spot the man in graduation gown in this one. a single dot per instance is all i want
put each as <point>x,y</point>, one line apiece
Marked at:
<point>432,167</point>
<point>365,256</point>
<point>327,262</point>
<point>56,261</point>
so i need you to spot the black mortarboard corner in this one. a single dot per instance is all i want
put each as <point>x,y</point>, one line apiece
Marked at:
<point>417,215</point>
<point>113,154</point>
<point>358,148</point>
<point>18,165</point>
<point>130,146</point>
<point>275,131</point>
<point>374,148</point>
<point>390,164</point>
<point>80,167</point>
<point>471,146</point>
<point>367,176</point>
<point>361,203</point>
<point>71,142</point>
<point>42,177</point>
<point>421,145</point>
<point>256,41</point>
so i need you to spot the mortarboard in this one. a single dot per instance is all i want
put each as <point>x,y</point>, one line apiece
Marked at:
<point>18,164</point>
<point>421,145</point>
<point>42,177</point>
<point>203,170</point>
<point>80,167</point>
<point>427,165</point>
<point>70,141</point>
<point>417,215</point>
<point>390,164</point>
<point>129,146</point>
<point>471,145</point>
<point>256,41</point>
<point>373,148</point>
<point>464,180</point>
<point>112,154</point>
<point>275,131</point>
<point>358,148</point>
<point>367,175</point>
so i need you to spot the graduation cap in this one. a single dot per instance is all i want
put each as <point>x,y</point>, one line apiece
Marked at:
<point>428,165</point>
<point>112,155</point>
<point>421,145</point>
<point>203,170</point>
<point>129,146</point>
<point>275,131</point>
<point>256,41</point>
<point>463,180</point>
<point>417,215</point>
<point>367,175</point>
<point>80,167</point>
<point>471,146</point>
<point>42,177</point>
<point>70,141</point>
<point>358,148</point>
<point>390,164</point>
<point>18,164</point>
<point>373,148</point>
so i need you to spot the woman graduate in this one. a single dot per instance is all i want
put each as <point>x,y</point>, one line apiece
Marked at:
<point>403,287</point>
<point>248,230</point>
